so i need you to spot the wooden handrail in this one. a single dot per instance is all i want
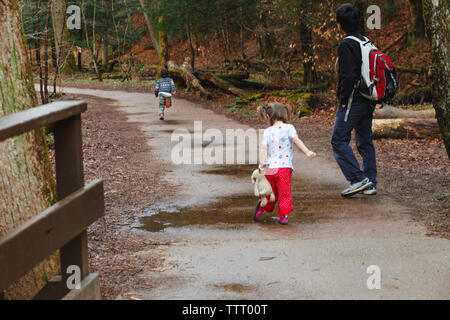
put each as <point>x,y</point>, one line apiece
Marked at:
<point>17,123</point>
<point>42,235</point>
<point>64,225</point>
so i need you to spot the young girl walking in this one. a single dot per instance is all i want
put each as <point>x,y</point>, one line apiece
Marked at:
<point>275,159</point>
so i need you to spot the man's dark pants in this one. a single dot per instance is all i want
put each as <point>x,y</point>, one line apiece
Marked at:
<point>359,118</point>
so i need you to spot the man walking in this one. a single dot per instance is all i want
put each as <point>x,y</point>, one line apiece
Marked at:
<point>354,111</point>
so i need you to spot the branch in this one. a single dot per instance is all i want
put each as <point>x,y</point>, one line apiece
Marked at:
<point>395,42</point>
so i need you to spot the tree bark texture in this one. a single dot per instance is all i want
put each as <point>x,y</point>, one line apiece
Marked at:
<point>310,74</point>
<point>437,21</point>
<point>163,57</point>
<point>26,181</point>
<point>416,23</point>
<point>63,48</point>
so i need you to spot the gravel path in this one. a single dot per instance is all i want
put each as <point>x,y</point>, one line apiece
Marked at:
<point>200,242</point>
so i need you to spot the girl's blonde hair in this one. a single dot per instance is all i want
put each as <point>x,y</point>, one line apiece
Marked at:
<point>275,111</point>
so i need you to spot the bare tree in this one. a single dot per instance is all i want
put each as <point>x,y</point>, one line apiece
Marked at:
<point>437,21</point>
<point>149,26</point>
<point>91,40</point>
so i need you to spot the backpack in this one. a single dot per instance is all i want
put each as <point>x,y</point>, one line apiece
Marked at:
<point>379,80</point>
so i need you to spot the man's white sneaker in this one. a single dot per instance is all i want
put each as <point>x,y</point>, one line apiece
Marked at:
<point>357,187</point>
<point>370,191</point>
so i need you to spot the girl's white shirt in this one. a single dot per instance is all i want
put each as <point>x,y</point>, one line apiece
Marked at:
<point>278,139</point>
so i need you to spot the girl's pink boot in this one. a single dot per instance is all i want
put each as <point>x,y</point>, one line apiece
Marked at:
<point>284,220</point>
<point>258,211</point>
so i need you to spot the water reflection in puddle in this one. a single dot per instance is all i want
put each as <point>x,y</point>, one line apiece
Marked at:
<point>312,204</point>
<point>236,212</point>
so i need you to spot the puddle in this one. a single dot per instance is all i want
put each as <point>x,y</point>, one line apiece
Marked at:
<point>139,114</point>
<point>237,211</point>
<point>313,203</point>
<point>235,287</point>
<point>227,213</point>
<point>240,171</point>
<point>175,122</point>
<point>172,130</point>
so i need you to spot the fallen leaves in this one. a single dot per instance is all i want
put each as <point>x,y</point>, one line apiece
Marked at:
<point>116,151</point>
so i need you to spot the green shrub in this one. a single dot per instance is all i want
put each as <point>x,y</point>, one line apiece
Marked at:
<point>240,101</point>
<point>256,96</point>
<point>304,111</point>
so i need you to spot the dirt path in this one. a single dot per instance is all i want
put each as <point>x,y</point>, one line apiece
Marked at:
<point>217,252</point>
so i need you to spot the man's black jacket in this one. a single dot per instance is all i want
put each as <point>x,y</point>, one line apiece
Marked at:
<point>349,54</point>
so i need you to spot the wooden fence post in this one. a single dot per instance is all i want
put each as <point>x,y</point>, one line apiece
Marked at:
<point>64,225</point>
<point>70,178</point>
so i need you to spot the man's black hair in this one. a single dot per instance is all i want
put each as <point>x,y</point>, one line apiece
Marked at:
<point>164,73</point>
<point>347,16</point>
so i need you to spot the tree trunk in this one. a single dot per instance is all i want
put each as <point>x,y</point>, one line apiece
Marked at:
<point>38,54</point>
<point>92,43</point>
<point>405,128</point>
<point>268,37</point>
<point>79,61</point>
<point>105,55</point>
<point>437,20</point>
<point>225,41</point>
<point>310,74</point>
<point>149,27</point>
<point>63,47</point>
<point>53,55</point>
<point>389,112</point>
<point>360,4</point>
<point>26,181</point>
<point>416,28</point>
<point>163,57</point>
<point>242,41</point>
<point>191,46</point>
<point>260,46</point>
<point>45,82</point>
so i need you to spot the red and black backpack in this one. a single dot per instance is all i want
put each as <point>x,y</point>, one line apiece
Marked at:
<point>379,81</point>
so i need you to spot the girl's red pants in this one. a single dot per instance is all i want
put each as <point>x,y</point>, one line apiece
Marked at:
<point>280,180</point>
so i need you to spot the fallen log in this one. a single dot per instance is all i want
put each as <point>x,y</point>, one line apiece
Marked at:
<point>220,83</point>
<point>405,128</point>
<point>419,71</point>
<point>191,81</point>
<point>235,75</point>
<point>389,112</point>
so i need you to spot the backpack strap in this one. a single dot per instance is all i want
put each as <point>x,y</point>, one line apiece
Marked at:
<point>361,42</point>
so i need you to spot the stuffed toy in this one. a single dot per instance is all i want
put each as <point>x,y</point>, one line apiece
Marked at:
<point>262,187</point>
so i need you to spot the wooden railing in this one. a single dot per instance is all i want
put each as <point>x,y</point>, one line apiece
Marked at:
<point>62,226</point>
